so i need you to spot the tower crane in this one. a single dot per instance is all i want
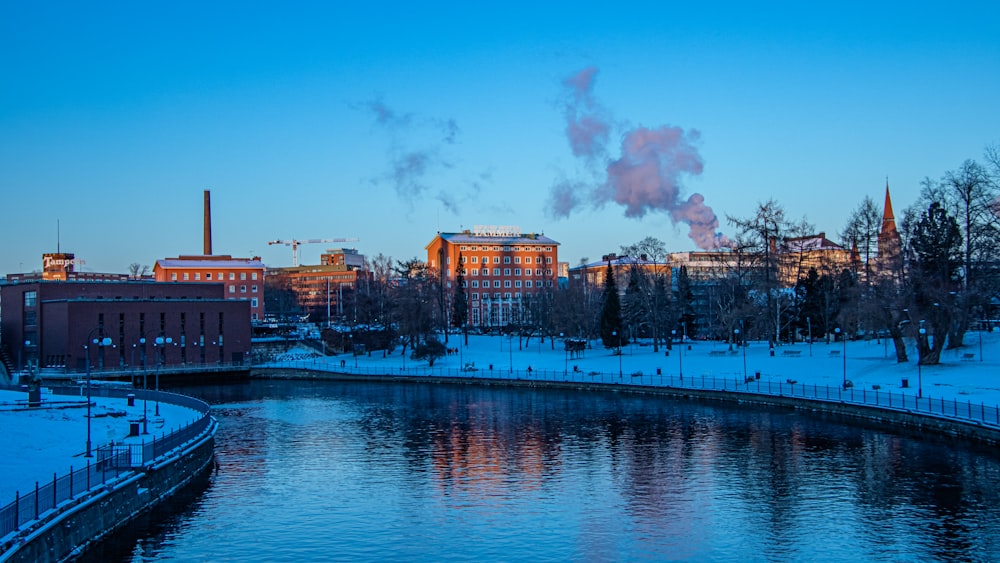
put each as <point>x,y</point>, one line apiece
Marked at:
<point>295,245</point>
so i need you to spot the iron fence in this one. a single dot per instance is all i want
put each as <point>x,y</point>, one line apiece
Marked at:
<point>110,461</point>
<point>941,407</point>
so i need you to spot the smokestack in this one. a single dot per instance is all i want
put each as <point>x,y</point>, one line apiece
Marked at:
<point>208,223</point>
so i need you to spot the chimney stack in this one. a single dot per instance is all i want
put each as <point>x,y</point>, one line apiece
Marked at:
<point>208,223</point>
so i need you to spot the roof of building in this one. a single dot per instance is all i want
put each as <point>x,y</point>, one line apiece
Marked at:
<point>808,243</point>
<point>468,237</point>
<point>209,261</point>
<point>616,260</point>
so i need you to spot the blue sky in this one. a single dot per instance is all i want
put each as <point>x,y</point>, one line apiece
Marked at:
<point>390,122</point>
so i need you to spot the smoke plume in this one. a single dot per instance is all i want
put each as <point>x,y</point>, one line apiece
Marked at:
<point>646,177</point>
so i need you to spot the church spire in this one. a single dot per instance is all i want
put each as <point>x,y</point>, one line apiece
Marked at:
<point>888,218</point>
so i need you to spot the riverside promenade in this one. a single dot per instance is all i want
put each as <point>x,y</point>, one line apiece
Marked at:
<point>960,396</point>
<point>57,500</point>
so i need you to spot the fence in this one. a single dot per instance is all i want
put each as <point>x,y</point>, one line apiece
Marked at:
<point>952,409</point>
<point>110,461</point>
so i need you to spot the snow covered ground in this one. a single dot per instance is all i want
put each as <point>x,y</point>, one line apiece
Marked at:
<point>39,442</point>
<point>970,373</point>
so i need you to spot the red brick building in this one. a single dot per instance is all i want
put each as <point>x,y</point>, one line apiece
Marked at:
<point>51,322</point>
<point>504,270</point>
<point>320,290</point>
<point>242,278</point>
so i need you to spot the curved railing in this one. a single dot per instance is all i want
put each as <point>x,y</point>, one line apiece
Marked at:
<point>949,408</point>
<point>110,461</point>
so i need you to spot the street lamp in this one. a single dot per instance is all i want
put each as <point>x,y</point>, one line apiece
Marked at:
<point>739,343</point>
<point>98,342</point>
<point>162,342</point>
<point>920,374</point>
<point>566,354</point>
<point>618,343</point>
<point>843,337</point>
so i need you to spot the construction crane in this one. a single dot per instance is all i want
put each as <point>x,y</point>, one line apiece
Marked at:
<point>295,245</point>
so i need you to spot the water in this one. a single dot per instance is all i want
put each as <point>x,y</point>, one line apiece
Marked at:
<point>328,471</point>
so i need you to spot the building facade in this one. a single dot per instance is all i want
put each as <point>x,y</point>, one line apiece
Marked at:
<point>319,291</point>
<point>504,270</point>
<point>54,325</point>
<point>242,279</point>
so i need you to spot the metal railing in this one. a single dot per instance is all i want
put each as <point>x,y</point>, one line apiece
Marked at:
<point>110,462</point>
<point>949,408</point>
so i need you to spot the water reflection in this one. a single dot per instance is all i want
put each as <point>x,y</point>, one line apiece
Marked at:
<point>350,471</point>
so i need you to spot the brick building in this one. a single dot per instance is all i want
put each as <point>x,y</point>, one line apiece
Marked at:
<point>51,322</point>
<point>504,270</point>
<point>242,278</point>
<point>319,291</point>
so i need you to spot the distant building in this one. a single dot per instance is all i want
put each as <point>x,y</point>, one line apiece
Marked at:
<point>504,269</point>
<point>54,323</point>
<point>61,266</point>
<point>242,279</point>
<point>317,291</point>
<point>798,255</point>
<point>889,262</point>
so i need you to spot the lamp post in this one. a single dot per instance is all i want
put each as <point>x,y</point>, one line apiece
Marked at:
<point>843,337</point>
<point>810,325</point>
<point>739,343</point>
<point>97,342</point>
<point>920,374</point>
<point>162,342</point>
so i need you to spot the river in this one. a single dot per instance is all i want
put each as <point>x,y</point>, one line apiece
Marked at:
<point>347,471</point>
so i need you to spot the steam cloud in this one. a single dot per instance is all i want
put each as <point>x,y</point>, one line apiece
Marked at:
<point>647,177</point>
<point>410,163</point>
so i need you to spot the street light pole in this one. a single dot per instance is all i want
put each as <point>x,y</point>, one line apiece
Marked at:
<point>97,342</point>
<point>920,374</point>
<point>843,337</point>
<point>162,341</point>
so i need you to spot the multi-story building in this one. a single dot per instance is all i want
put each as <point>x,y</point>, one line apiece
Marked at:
<point>798,255</point>
<point>318,291</point>
<point>242,279</point>
<point>62,266</point>
<point>504,270</point>
<point>55,324</point>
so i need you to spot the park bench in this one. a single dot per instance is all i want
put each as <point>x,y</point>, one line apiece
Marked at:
<point>717,353</point>
<point>834,353</point>
<point>792,353</point>
<point>968,357</point>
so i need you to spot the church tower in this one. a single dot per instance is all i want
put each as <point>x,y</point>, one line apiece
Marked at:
<point>890,245</point>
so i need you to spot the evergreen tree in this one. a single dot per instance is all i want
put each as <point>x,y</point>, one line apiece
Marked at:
<point>636,312</point>
<point>685,299</point>
<point>936,245</point>
<point>460,305</point>
<point>611,330</point>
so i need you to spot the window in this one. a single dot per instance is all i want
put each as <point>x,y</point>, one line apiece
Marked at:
<point>517,259</point>
<point>496,259</point>
<point>253,302</point>
<point>475,259</point>
<point>548,272</point>
<point>486,271</point>
<point>186,276</point>
<point>475,296</point>
<point>506,259</point>
<point>465,259</point>
<point>232,289</point>
<point>506,271</point>
<point>253,289</point>
<point>496,271</point>
<point>474,272</point>
<point>243,288</point>
<point>462,248</point>
<point>465,284</point>
<point>475,283</point>
<point>232,276</point>
<point>538,271</point>
<point>527,259</point>
<point>548,259</point>
<point>30,298</point>
<point>197,276</point>
<point>517,283</point>
<point>496,283</point>
<point>548,249</point>
<point>173,276</point>
<point>253,275</point>
<point>527,283</point>
<point>517,271</point>
<point>506,283</point>
<point>208,275</point>
<point>496,295</point>
<point>243,275</point>
<point>221,277</point>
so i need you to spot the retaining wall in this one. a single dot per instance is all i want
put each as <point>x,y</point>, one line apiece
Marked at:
<point>70,531</point>
<point>898,417</point>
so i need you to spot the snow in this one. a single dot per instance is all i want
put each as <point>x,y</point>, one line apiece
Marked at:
<point>42,441</point>
<point>964,374</point>
<point>39,442</point>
